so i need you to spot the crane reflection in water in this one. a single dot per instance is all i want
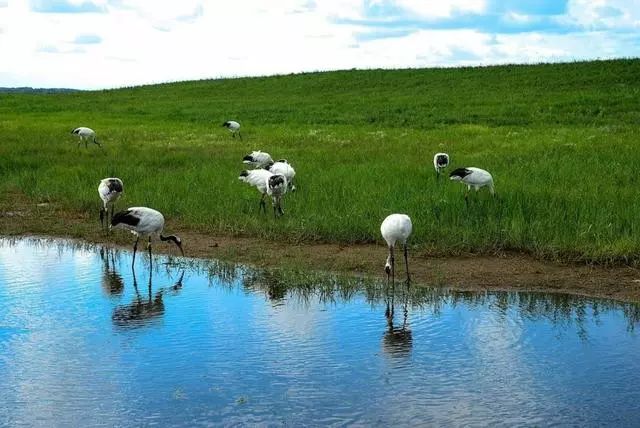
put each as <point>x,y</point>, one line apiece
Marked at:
<point>397,340</point>
<point>147,308</point>
<point>112,282</point>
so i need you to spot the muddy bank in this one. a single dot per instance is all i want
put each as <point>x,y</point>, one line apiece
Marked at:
<point>508,271</point>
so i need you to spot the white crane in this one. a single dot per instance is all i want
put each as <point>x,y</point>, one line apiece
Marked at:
<point>109,190</point>
<point>276,188</point>
<point>440,162</point>
<point>259,179</point>
<point>473,177</point>
<point>396,228</point>
<point>284,168</point>
<point>233,127</point>
<point>143,221</point>
<point>258,159</point>
<point>86,134</point>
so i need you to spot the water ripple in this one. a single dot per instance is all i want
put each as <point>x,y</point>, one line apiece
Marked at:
<point>84,340</point>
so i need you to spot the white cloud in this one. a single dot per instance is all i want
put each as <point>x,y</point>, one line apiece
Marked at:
<point>145,41</point>
<point>442,8</point>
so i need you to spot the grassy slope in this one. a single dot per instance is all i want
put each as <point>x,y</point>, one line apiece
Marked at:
<point>560,140</point>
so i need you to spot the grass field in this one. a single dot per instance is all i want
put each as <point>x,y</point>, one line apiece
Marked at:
<point>560,140</point>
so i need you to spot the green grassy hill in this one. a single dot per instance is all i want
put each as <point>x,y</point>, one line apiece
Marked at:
<point>560,139</point>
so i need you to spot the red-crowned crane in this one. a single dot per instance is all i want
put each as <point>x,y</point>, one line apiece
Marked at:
<point>283,167</point>
<point>396,228</point>
<point>143,221</point>
<point>109,190</point>
<point>233,127</point>
<point>86,134</point>
<point>276,188</point>
<point>258,159</point>
<point>259,179</point>
<point>440,162</point>
<point>473,177</point>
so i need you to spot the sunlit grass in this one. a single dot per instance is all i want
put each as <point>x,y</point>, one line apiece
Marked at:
<point>560,140</point>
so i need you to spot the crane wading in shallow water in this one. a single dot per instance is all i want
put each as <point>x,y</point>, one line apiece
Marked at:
<point>233,127</point>
<point>143,221</point>
<point>396,228</point>
<point>473,177</point>
<point>85,134</point>
<point>109,190</point>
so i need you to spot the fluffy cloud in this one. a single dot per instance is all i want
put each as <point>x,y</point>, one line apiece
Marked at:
<point>110,43</point>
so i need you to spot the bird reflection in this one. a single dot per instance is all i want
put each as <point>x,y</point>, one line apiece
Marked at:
<point>112,282</point>
<point>397,340</point>
<point>144,309</point>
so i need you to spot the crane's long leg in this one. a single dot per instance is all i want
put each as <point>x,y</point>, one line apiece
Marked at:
<point>393,271</point>
<point>102,217</point>
<point>406,263</point>
<point>240,135</point>
<point>263,204</point>
<point>150,259</point>
<point>135,248</point>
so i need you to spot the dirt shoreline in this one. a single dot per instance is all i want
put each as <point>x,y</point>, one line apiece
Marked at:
<point>505,272</point>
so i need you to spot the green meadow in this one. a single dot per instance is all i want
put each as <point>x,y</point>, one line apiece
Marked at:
<point>561,141</point>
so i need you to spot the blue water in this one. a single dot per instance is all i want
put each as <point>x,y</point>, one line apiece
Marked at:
<point>191,343</point>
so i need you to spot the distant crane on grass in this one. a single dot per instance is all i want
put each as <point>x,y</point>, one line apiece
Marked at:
<point>233,127</point>
<point>473,177</point>
<point>86,134</point>
<point>440,162</point>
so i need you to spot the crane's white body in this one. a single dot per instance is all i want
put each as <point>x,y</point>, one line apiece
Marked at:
<point>440,162</point>
<point>276,188</point>
<point>284,168</point>
<point>257,178</point>
<point>474,178</point>
<point>149,222</point>
<point>396,228</point>
<point>258,159</point>
<point>110,190</point>
<point>143,221</point>
<point>85,134</point>
<point>233,127</point>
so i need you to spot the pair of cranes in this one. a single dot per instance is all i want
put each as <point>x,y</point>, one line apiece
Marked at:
<point>397,227</point>
<point>86,135</point>
<point>270,178</point>
<point>141,221</point>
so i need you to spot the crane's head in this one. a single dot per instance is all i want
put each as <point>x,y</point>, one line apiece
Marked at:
<point>387,266</point>
<point>178,242</point>
<point>459,174</point>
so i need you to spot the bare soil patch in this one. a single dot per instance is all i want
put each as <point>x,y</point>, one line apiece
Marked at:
<point>508,271</point>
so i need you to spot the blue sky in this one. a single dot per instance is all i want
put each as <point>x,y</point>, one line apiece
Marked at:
<point>111,43</point>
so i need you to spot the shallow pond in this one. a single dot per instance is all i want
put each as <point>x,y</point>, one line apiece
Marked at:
<point>86,341</point>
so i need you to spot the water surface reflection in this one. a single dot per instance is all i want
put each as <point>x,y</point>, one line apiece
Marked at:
<point>86,340</point>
